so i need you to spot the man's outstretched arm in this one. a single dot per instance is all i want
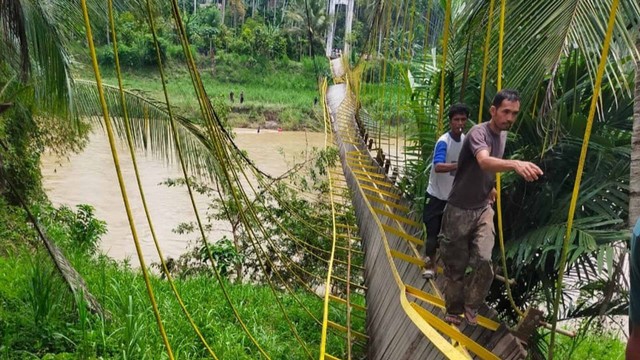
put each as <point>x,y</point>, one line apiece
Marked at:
<point>528,170</point>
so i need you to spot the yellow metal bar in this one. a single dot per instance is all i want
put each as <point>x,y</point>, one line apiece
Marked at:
<point>357,154</point>
<point>436,301</point>
<point>344,329</point>
<point>347,249</point>
<point>380,191</point>
<point>388,203</point>
<point>408,258</point>
<point>402,234</point>
<point>343,301</point>
<point>397,217</point>
<point>366,173</point>
<point>358,164</point>
<point>347,236</point>
<point>342,280</point>
<point>382,182</point>
<point>454,334</point>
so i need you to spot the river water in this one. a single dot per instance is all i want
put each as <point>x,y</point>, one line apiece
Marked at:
<point>90,178</point>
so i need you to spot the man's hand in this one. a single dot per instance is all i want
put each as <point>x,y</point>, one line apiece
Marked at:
<point>493,196</point>
<point>528,170</point>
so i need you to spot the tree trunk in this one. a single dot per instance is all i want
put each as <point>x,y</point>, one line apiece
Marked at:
<point>634,180</point>
<point>212,54</point>
<point>224,6</point>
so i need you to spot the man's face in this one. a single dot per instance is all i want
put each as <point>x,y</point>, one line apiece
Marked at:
<point>457,122</point>
<point>505,115</point>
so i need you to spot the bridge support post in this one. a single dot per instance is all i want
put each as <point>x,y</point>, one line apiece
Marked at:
<point>332,25</point>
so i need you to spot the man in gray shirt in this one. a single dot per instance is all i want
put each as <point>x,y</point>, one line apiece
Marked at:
<point>467,234</point>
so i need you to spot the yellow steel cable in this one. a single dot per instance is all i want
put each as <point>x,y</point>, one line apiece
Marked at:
<point>327,290</point>
<point>184,170</point>
<point>580,170</point>
<point>139,182</point>
<point>382,106</point>
<point>425,46</point>
<point>200,88</point>
<point>208,114</point>
<point>445,50</point>
<point>228,177</point>
<point>503,6</point>
<point>284,260</point>
<point>123,191</point>
<point>284,313</point>
<point>485,63</point>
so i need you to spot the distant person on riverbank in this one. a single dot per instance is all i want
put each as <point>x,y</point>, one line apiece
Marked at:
<point>467,236</point>
<point>231,96</point>
<point>443,170</point>
<point>633,344</point>
<point>258,129</point>
<point>241,97</point>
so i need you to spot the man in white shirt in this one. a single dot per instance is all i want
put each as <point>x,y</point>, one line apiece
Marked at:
<point>443,170</point>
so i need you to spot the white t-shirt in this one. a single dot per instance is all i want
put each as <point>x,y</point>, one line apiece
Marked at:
<point>446,150</point>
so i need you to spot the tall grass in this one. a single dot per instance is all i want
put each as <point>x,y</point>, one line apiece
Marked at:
<point>38,316</point>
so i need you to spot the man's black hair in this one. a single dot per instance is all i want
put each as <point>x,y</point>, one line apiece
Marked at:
<point>505,94</point>
<point>458,109</point>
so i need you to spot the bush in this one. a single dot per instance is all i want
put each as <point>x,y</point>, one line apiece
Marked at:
<point>148,50</point>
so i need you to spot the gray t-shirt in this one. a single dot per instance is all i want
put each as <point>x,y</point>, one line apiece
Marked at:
<point>472,185</point>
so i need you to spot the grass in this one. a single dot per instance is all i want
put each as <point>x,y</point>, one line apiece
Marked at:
<point>39,318</point>
<point>594,345</point>
<point>281,93</point>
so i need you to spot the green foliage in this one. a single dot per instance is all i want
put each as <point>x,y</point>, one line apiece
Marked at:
<point>592,342</point>
<point>82,228</point>
<point>203,28</point>
<point>135,44</point>
<point>20,164</point>
<point>43,296</point>
<point>70,332</point>
<point>224,254</point>
<point>282,92</point>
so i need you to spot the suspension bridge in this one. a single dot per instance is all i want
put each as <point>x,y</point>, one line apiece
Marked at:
<point>375,255</point>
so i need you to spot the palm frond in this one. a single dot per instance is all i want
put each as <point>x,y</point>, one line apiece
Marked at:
<point>150,125</point>
<point>14,36</point>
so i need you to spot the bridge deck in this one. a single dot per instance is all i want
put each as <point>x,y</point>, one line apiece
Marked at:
<point>404,312</point>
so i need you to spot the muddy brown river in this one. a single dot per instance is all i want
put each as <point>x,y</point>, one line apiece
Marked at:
<point>90,178</point>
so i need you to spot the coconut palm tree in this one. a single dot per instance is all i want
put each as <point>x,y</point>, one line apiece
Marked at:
<point>551,51</point>
<point>37,89</point>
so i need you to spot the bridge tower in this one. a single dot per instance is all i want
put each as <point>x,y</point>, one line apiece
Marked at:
<point>333,4</point>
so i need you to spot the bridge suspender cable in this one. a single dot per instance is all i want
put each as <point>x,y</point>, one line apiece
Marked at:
<point>139,182</point>
<point>445,47</point>
<point>485,63</point>
<point>583,156</point>
<point>503,5</point>
<point>112,144</point>
<point>327,289</point>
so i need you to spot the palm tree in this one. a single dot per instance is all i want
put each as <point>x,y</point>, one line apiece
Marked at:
<point>551,53</point>
<point>37,88</point>
<point>309,21</point>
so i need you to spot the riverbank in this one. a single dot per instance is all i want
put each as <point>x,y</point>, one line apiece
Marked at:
<point>279,95</point>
